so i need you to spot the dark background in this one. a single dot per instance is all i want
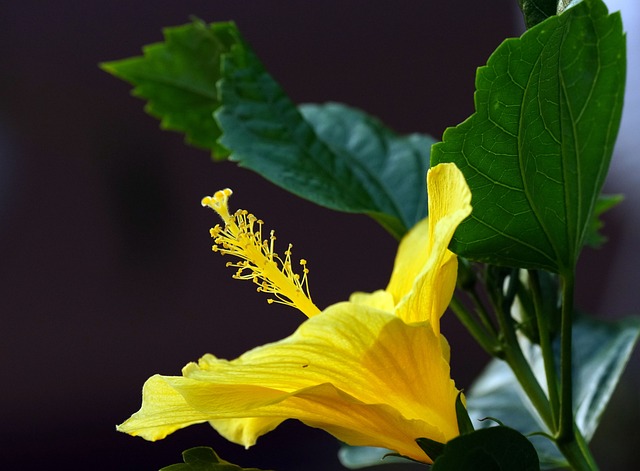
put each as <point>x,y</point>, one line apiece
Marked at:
<point>106,271</point>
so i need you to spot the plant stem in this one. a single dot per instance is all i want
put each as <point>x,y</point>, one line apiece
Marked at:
<point>487,341</point>
<point>556,410</point>
<point>481,310</point>
<point>577,452</point>
<point>566,428</point>
<point>569,439</point>
<point>546,347</point>
<point>518,363</point>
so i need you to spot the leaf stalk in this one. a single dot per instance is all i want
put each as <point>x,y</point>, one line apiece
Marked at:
<point>487,341</point>
<point>516,359</point>
<point>546,347</point>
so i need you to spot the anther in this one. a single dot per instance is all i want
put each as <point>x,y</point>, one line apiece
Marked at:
<point>258,260</point>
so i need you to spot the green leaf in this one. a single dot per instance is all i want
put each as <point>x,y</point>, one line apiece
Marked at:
<point>536,151</point>
<point>204,459</point>
<point>593,237</point>
<point>335,156</point>
<point>178,79</point>
<point>432,448</point>
<point>462,415</point>
<point>600,352</point>
<point>535,11</point>
<point>392,168</point>
<point>491,449</point>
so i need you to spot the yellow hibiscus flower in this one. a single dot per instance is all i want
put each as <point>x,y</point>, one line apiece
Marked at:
<point>373,371</point>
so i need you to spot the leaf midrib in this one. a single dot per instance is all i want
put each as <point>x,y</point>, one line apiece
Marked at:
<point>324,164</point>
<point>375,179</point>
<point>521,143</point>
<point>179,85</point>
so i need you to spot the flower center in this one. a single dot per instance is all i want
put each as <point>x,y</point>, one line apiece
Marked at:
<point>241,237</point>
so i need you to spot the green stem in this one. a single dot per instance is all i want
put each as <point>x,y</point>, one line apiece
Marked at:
<point>546,347</point>
<point>577,453</point>
<point>569,439</point>
<point>518,363</point>
<point>565,431</point>
<point>482,313</point>
<point>556,411</point>
<point>487,341</point>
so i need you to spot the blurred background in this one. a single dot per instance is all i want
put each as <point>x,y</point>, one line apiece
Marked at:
<point>106,271</point>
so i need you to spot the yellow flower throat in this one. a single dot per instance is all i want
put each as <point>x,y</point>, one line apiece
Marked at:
<point>241,237</point>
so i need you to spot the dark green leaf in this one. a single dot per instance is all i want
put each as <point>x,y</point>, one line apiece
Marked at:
<point>491,449</point>
<point>432,448</point>
<point>593,237</point>
<point>537,150</point>
<point>178,78</point>
<point>464,421</point>
<point>535,11</point>
<point>204,459</point>
<point>392,168</point>
<point>600,352</point>
<point>333,155</point>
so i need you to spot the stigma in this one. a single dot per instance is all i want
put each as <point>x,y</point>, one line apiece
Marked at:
<point>241,237</point>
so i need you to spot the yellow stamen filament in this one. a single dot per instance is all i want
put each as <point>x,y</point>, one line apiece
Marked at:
<point>241,237</point>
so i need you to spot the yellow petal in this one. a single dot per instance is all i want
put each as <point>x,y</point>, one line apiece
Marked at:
<point>449,205</point>
<point>431,292</point>
<point>355,371</point>
<point>245,431</point>
<point>380,299</point>
<point>158,394</point>
<point>410,260</point>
